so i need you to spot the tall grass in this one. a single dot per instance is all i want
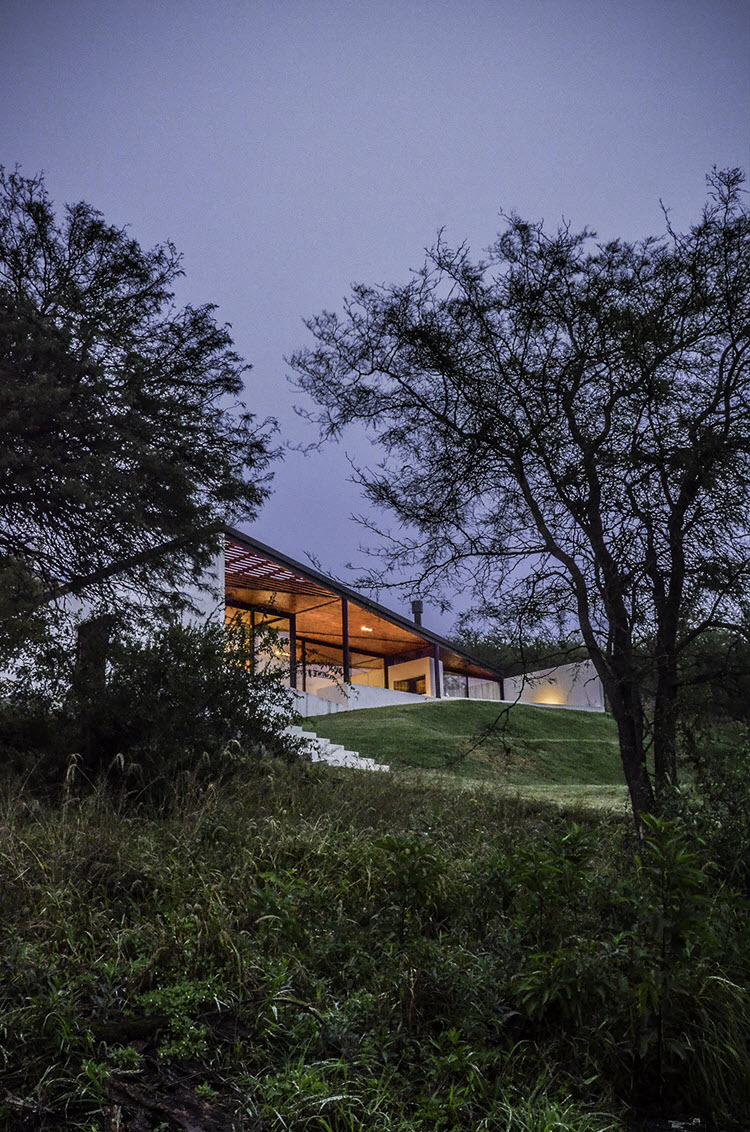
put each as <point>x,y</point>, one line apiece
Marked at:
<point>310,949</point>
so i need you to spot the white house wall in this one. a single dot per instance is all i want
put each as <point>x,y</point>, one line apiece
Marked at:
<point>208,598</point>
<point>569,685</point>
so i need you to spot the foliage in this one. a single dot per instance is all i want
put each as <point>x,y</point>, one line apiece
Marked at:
<point>318,949</point>
<point>183,702</point>
<point>714,682</point>
<point>566,428</point>
<point>524,654</point>
<point>717,800</point>
<point>24,619</point>
<point>117,429</point>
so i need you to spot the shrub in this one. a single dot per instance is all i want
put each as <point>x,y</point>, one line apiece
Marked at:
<point>716,803</point>
<point>320,951</point>
<point>182,702</point>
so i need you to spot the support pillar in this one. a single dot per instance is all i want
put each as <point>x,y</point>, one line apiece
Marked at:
<point>292,651</point>
<point>385,672</point>
<point>345,638</point>
<point>437,691</point>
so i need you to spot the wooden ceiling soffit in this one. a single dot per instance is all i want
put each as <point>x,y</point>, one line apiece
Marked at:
<point>255,580</point>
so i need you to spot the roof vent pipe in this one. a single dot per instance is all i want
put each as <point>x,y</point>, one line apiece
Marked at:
<point>416,608</point>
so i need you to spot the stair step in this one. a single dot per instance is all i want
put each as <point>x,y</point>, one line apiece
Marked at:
<point>323,750</point>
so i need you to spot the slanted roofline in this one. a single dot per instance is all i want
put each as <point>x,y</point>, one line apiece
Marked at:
<point>447,649</point>
<point>344,592</point>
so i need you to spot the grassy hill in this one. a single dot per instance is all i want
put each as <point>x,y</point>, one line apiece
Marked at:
<point>522,745</point>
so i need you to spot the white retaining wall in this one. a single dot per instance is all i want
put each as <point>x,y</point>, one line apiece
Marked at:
<point>335,698</point>
<point>569,685</point>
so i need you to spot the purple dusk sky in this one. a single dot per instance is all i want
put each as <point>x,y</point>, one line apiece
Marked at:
<point>290,148</point>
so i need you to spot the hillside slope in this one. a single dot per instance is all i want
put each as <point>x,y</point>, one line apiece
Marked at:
<point>525,744</point>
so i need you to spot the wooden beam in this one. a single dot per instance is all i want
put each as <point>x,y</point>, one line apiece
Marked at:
<point>277,614</point>
<point>321,642</point>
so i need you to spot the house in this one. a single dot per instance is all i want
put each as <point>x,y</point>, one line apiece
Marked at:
<point>338,649</point>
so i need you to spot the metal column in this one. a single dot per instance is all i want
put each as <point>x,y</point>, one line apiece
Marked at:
<point>345,638</point>
<point>292,651</point>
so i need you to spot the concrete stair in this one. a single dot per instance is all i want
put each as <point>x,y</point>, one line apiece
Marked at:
<point>322,750</point>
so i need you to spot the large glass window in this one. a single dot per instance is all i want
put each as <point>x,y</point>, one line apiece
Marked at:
<point>417,685</point>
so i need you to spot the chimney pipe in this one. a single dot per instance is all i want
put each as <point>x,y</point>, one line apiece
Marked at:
<point>416,608</point>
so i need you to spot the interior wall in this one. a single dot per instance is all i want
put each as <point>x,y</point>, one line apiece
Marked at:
<point>409,669</point>
<point>370,677</point>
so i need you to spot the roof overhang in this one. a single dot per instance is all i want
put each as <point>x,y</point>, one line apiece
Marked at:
<point>261,578</point>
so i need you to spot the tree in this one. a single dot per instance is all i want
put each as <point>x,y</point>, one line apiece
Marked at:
<point>567,425</point>
<point>520,655</point>
<point>119,426</point>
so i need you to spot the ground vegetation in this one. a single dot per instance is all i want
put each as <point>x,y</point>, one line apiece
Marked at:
<point>299,947</point>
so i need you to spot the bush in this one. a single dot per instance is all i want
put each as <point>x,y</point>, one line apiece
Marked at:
<point>183,702</point>
<point>329,950</point>
<point>716,804</point>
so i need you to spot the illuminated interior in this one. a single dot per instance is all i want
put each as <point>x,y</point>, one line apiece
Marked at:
<point>334,631</point>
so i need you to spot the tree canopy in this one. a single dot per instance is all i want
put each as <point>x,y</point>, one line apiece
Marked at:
<point>566,428</point>
<point>120,425</point>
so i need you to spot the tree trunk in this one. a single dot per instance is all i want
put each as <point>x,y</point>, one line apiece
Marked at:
<point>622,693</point>
<point>624,700</point>
<point>665,726</point>
<point>89,681</point>
<point>634,767</point>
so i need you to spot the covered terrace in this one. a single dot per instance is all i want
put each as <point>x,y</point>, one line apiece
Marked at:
<point>326,627</point>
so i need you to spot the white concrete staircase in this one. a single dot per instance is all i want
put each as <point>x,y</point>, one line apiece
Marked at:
<point>322,750</point>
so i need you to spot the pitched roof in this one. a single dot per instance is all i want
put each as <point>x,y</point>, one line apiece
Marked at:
<point>260,577</point>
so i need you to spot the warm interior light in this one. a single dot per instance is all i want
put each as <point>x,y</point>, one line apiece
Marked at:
<point>549,696</point>
<point>365,628</point>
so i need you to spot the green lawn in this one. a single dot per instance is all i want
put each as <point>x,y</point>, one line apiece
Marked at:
<point>534,746</point>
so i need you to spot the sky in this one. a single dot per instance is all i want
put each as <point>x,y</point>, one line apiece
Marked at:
<point>292,148</point>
